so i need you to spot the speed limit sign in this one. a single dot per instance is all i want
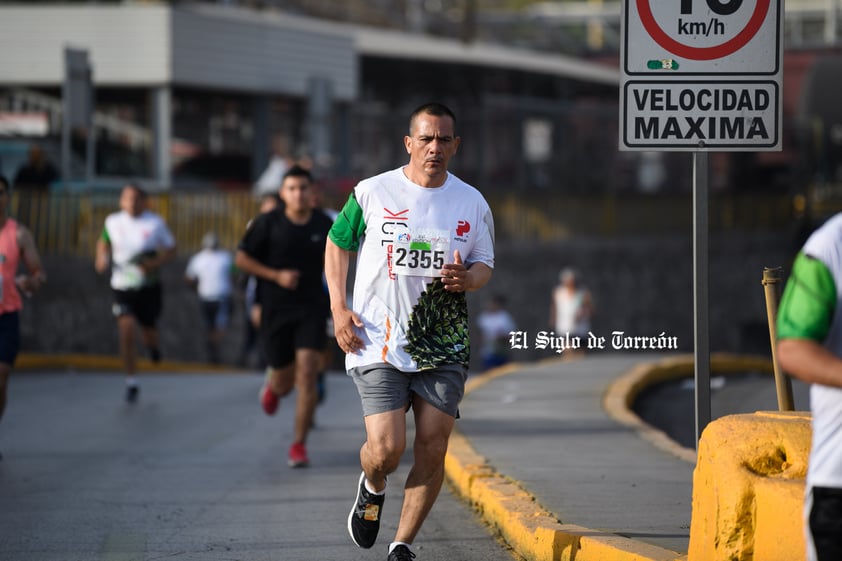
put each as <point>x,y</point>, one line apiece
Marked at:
<point>701,74</point>
<point>703,36</point>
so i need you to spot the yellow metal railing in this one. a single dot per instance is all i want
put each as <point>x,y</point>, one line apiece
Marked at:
<point>556,217</point>
<point>69,224</point>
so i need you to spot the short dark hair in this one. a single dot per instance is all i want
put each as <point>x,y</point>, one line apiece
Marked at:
<point>269,196</point>
<point>298,171</point>
<point>136,186</point>
<point>432,108</point>
<point>6,183</point>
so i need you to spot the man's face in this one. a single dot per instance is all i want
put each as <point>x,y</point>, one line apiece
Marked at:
<point>295,192</point>
<point>430,145</point>
<point>132,201</point>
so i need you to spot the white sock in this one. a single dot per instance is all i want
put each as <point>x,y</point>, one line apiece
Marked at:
<point>131,381</point>
<point>393,545</point>
<point>368,488</point>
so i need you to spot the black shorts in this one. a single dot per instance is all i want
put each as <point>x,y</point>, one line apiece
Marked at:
<point>9,337</point>
<point>825,523</point>
<point>283,332</point>
<point>145,304</point>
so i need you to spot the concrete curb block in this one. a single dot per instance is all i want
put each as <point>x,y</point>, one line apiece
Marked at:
<point>748,488</point>
<point>531,530</point>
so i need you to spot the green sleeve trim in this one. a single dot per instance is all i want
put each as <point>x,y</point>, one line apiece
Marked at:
<point>349,225</point>
<point>808,303</point>
<point>104,235</point>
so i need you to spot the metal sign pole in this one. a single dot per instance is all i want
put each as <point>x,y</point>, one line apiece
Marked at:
<point>670,73</point>
<point>700,291</point>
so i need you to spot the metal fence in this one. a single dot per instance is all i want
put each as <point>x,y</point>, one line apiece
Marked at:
<point>69,224</point>
<point>551,217</point>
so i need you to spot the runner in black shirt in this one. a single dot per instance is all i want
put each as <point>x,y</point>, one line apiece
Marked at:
<point>284,248</point>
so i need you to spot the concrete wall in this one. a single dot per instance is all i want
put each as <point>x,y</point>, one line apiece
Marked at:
<point>642,287</point>
<point>72,314</point>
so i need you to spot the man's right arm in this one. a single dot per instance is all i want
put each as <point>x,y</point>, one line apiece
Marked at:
<point>337,261</point>
<point>103,252</point>
<point>287,278</point>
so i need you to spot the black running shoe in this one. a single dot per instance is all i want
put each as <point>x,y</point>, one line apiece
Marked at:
<point>132,393</point>
<point>401,553</point>
<point>364,520</point>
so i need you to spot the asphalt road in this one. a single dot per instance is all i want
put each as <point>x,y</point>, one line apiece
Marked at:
<point>670,406</point>
<point>193,471</point>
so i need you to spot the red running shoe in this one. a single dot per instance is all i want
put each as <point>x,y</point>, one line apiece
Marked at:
<point>298,456</point>
<point>269,400</point>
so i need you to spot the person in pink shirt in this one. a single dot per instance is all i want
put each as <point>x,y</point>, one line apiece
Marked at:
<point>16,246</point>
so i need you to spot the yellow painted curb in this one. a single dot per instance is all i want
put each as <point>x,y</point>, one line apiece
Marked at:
<point>530,529</point>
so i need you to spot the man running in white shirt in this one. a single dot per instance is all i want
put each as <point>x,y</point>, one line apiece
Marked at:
<point>424,237</point>
<point>135,243</point>
<point>211,273</point>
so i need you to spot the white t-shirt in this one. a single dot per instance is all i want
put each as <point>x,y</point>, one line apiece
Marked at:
<point>494,326</point>
<point>570,316</point>
<point>131,239</point>
<point>212,269</point>
<point>404,234</point>
<point>825,466</point>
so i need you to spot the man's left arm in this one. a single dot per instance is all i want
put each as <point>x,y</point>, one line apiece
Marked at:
<point>457,277</point>
<point>478,276</point>
<point>162,257</point>
<point>164,253</point>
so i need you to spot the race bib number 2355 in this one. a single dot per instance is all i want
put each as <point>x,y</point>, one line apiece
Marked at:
<point>421,253</point>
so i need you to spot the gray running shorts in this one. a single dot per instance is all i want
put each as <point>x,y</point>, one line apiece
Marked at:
<point>382,387</point>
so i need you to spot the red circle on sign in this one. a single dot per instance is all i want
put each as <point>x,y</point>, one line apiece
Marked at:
<point>702,53</point>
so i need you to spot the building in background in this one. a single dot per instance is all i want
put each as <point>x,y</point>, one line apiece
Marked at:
<point>196,95</point>
<point>186,94</point>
